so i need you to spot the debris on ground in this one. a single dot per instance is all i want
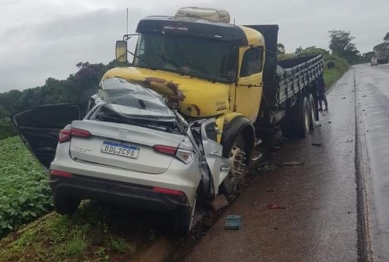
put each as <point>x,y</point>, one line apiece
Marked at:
<point>233,222</point>
<point>349,141</point>
<point>329,122</point>
<point>254,203</point>
<point>343,97</point>
<point>267,167</point>
<point>270,190</point>
<point>364,96</point>
<point>316,144</point>
<point>96,237</point>
<point>275,207</point>
<point>259,166</point>
<point>219,202</point>
<point>293,163</point>
<point>198,215</point>
<point>230,198</point>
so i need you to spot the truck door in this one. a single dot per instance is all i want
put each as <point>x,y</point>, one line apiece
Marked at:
<point>249,88</point>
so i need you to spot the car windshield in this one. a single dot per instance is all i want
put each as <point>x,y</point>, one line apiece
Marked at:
<point>204,58</point>
<point>121,101</point>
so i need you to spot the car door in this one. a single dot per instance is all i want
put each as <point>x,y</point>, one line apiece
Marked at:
<point>219,166</point>
<point>39,128</point>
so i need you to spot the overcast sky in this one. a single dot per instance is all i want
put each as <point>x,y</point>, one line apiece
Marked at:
<point>47,38</point>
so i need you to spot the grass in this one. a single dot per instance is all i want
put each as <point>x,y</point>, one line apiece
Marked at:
<point>94,233</point>
<point>332,75</point>
<point>24,191</point>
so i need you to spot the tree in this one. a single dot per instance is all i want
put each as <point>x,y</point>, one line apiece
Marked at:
<point>280,49</point>
<point>341,45</point>
<point>76,89</point>
<point>312,50</point>
<point>298,50</point>
<point>3,112</point>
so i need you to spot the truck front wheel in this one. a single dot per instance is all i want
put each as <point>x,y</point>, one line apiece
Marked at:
<point>237,157</point>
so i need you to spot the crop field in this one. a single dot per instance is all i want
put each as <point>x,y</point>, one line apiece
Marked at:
<point>95,233</point>
<point>24,192</point>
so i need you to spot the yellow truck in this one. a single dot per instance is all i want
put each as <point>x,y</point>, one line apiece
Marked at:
<point>208,67</point>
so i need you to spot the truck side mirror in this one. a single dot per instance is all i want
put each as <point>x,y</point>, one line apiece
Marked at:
<point>121,51</point>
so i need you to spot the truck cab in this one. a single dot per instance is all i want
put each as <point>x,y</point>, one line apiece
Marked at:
<point>206,66</point>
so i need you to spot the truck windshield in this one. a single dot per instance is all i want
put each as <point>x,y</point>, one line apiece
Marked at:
<point>204,58</point>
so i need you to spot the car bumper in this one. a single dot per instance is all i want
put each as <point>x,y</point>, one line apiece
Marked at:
<point>83,187</point>
<point>178,177</point>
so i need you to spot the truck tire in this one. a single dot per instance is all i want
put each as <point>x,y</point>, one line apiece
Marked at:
<point>65,205</point>
<point>183,221</point>
<point>303,118</point>
<point>312,110</point>
<point>237,156</point>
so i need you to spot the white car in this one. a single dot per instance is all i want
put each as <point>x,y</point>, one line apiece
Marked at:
<point>130,148</point>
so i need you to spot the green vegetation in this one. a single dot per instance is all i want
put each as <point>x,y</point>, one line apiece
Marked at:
<point>76,89</point>
<point>94,233</point>
<point>331,74</point>
<point>24,192</point>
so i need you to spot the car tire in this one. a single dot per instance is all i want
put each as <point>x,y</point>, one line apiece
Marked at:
<point>312,110</point>
<point>65,205</point>
<point>303,120</point>
<point>183,221</point>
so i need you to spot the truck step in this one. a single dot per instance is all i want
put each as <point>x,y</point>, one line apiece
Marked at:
<point>256,156</point>
<point>258,143</point>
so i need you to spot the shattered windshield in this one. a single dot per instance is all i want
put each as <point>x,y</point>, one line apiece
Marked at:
<point>121,101</point>
<point>204,58</point>
<point>132,99</point>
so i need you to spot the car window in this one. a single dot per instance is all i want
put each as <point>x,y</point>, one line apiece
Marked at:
<point>252,62</point>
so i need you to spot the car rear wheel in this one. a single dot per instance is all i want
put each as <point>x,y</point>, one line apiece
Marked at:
<point>65,205</point>
<point>183,221</point>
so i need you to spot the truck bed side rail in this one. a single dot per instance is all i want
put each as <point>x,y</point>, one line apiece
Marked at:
<point>294,75</point>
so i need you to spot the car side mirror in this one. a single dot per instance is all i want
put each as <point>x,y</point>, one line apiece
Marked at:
<point>121,51</point>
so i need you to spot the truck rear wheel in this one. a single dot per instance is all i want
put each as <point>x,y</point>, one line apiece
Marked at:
<point>303,120</point>
<point>312,110</point>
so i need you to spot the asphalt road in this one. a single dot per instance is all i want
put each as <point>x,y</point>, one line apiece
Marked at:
<point>373,116</point>
<point>334,207</point>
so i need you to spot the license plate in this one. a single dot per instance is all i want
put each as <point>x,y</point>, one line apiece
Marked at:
<point>120,150</point>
